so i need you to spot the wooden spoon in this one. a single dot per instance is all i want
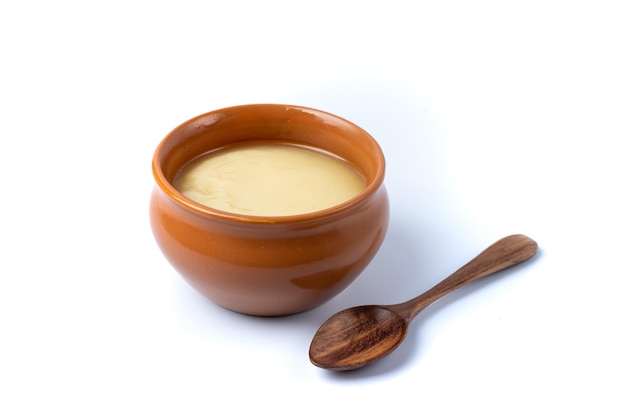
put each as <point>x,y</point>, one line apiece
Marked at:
<point>357,336</point>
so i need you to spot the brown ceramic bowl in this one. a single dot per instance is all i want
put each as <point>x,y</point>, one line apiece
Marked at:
<point>269,266</point>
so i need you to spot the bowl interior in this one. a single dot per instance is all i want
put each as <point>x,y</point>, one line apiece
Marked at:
<point>272,123</point>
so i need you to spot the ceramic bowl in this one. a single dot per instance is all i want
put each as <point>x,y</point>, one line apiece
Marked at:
<point>269,266</point>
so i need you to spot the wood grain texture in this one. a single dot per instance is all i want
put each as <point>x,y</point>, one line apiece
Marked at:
<point>504,253</point>
<point>357,336</point>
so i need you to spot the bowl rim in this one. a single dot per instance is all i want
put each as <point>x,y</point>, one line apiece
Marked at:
<point>177,197</point>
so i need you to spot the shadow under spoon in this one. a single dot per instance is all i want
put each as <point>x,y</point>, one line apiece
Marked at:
<point>355,337</point>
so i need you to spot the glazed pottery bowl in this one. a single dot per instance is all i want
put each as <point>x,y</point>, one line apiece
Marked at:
<point>269,266</point>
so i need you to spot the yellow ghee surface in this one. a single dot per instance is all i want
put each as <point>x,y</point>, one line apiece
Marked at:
<point>269,180</point>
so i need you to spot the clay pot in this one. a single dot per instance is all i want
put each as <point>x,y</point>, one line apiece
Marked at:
<point>269,266</point>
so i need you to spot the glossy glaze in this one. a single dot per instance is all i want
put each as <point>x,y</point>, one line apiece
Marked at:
<point>269,266</point>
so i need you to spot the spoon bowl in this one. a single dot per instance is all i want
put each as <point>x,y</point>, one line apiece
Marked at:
<point>354,337</point>
<point>357,336</point>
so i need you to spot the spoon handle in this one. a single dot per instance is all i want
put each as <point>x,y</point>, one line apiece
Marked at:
<point>503,254</point>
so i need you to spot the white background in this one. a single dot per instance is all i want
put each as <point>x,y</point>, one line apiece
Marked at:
<point>495,117</point>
